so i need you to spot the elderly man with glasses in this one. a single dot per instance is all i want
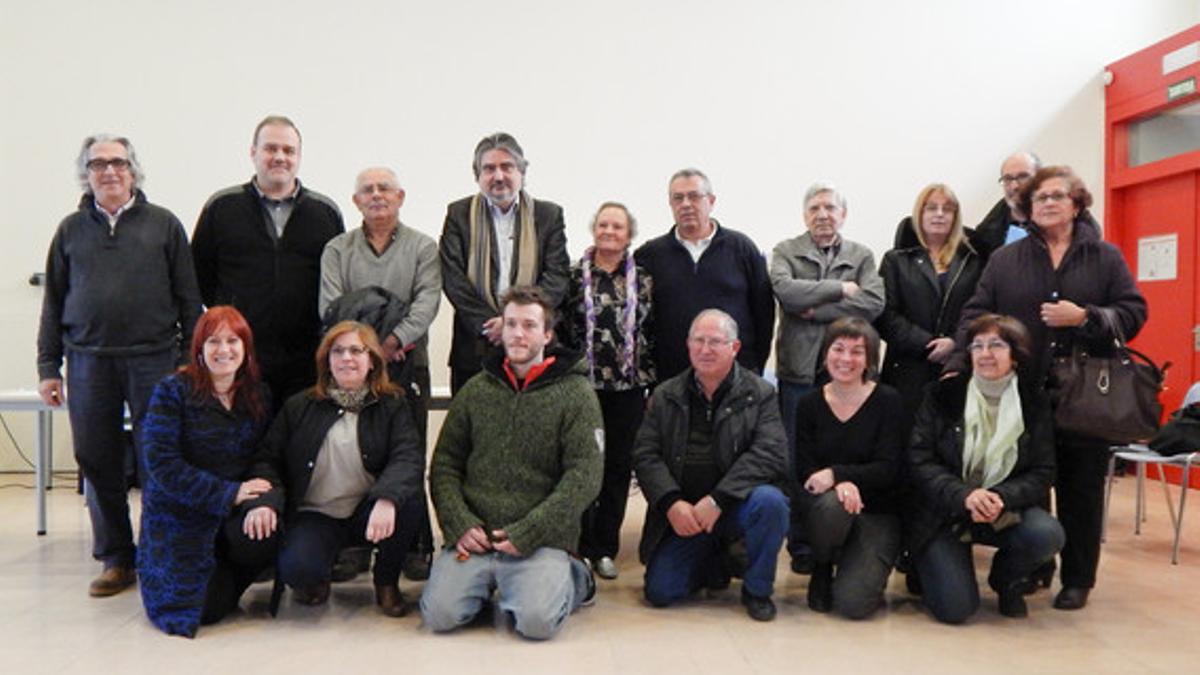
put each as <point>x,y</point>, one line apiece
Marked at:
<point>711,461</point>
<point>120,295</point>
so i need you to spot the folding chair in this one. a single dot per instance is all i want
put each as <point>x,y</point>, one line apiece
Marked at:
<point>1141,456</point>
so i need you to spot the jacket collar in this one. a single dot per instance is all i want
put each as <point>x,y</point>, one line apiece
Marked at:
<point>87,202</point>
<point>558,363</point>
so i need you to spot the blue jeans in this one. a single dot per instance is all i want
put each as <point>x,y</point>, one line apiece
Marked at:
<point>537,591</point>
<point>948,572</point>
<point>680,565</point>
<point>98,389</point>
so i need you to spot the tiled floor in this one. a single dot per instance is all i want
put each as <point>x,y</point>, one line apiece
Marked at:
<point>1143,618</point>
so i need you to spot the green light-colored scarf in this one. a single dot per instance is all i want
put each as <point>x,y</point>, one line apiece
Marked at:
<point>990,443</point>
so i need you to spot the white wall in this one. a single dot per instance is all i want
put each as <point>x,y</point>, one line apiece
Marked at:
<point>607,99</point>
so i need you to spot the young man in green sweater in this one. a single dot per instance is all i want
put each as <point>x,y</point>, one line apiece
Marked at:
<point>519,458</point>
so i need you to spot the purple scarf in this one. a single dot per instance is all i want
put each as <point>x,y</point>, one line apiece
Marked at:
<point>629,316</point>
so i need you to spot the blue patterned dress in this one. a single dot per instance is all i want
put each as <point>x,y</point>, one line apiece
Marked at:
<point>194,457</point>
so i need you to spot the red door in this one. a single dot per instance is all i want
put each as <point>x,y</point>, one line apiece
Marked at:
<point>1152,186</point>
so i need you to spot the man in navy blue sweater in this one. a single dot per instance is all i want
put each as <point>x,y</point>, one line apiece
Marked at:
<point>700,264</point>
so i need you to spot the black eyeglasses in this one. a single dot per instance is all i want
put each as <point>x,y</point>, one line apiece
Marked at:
<point>99,165</point>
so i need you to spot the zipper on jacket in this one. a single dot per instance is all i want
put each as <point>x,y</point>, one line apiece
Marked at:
<point>946,295</point>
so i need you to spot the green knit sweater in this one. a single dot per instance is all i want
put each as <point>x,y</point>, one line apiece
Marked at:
<point>527,462</point>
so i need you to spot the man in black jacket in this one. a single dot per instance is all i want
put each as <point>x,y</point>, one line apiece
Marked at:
<point>710,458</point>
<point>120,296</point>
<point>495,239</point>
<point>257,246</point>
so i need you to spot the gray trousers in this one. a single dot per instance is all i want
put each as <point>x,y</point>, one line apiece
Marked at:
<point>863,548</point>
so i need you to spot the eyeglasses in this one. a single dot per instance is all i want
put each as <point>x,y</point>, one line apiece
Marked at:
<point>352,350</point>
<point>693,197</point>
<point>99,165</point>
<point>1043,197</point>
<point>382,188</point>
<point>1018,178</point>
<point>948,209</point>
<point>989,346</point>
<point>709,343</point>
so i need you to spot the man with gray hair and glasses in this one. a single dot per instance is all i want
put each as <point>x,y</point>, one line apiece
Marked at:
<point>818,277</point>
<point>495,239</point>
<point>120,300</point>
<point>711,461</point>
<point>700,263</point>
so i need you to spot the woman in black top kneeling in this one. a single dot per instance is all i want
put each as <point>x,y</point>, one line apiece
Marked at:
<point>848,448</point>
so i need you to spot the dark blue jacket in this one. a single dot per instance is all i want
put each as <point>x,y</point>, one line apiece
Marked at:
<point>194,455</point>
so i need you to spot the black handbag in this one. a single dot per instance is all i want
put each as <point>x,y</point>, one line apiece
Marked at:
<point>1111,398</point>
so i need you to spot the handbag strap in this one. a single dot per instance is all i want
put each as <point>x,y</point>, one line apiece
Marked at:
<point>1111,325</point>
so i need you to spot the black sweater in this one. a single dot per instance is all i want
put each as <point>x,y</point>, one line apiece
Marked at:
<point>865,449</point>
<point>123,291</point>
<point>273,283</point>
<point>731,276</point>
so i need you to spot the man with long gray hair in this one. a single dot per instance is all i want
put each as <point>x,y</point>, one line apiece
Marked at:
<point>497,238</point>
<point>120,299</point>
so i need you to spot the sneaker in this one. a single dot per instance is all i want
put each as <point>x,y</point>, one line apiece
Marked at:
<point>111,581</point>
<point>605,568</point>
<point>759,608</point>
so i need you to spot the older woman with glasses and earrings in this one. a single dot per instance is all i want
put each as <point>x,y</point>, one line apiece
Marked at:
<point>982,459</point>
<point>846,456</point>
<point>608,317</point>
<point>199,436</point>
<point>1067,286</point>
<point>346,467</point>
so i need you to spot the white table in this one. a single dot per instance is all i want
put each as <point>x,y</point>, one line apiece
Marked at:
<point>27,400</point>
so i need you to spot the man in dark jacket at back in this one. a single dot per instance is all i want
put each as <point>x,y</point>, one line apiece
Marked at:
<point>710,458</point>
<point>257,246</point>
<point>1006,223</point>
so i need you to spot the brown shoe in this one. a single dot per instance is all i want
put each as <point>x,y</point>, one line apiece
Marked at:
<point>314,595</point>
<point>390,600</point>
<point>111,581</point>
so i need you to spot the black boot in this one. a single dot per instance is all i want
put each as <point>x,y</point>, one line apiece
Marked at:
<point>1012,600</point>
<point>820,588</point>
<point>1040,577</point>
<point>1071,598</point>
